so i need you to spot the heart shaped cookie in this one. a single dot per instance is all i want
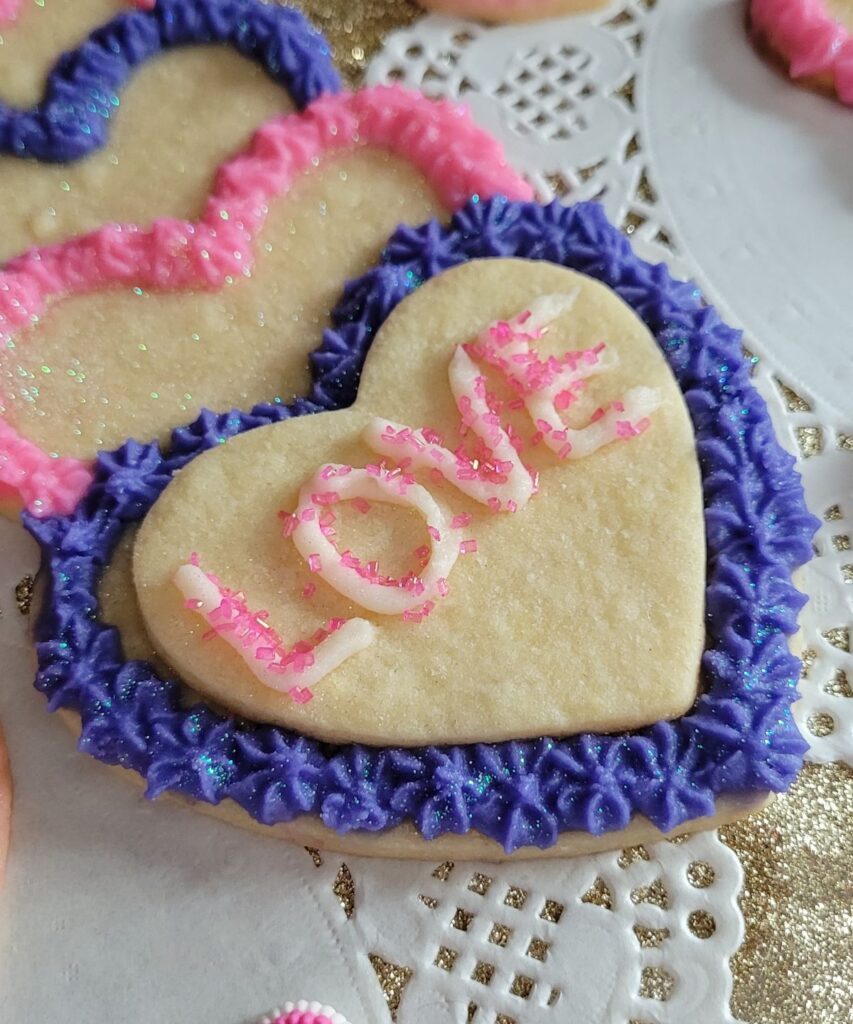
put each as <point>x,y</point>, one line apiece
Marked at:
<point>101,137</point>
<point>575,560</point>
<point>305,207</point>
<point>812,38</point>
<point>559,794</point>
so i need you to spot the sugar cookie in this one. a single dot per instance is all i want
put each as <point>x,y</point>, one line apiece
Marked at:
<point>133,122</point>
<point>546,795</point>
<point>511,10</point>
<point>129,332</point>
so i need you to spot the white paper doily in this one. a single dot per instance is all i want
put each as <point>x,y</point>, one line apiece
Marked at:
<point>117,910</point>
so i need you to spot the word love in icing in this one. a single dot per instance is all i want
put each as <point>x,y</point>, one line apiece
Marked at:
<point>494,476</point>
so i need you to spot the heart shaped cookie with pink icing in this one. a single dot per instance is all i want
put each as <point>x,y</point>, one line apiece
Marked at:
<point>128,332</point>
<point>812,38</point>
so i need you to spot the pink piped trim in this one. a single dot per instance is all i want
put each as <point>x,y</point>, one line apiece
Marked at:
<point>810,38</point>
<point>439,139</point>
<point>305,1013</point>
<point>47,486</point>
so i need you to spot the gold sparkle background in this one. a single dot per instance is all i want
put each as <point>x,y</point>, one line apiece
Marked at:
<point>796,963</point>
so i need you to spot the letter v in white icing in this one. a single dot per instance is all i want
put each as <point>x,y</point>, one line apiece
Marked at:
<point>545,386</point>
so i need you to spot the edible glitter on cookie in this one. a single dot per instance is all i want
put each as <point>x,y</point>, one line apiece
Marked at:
<point>734,740</point>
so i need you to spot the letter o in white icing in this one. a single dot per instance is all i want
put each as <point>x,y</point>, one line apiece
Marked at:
<point>359,483</point>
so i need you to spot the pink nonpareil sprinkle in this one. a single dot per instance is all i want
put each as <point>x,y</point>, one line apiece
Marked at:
<point>460,520</point>
<point>468,547</point>
<point>309,590</point>
<point>314,563</point>
<point>361,505</point>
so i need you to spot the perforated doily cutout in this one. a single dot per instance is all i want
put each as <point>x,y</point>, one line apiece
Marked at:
<point>640,935</point>
<point>566,99</point>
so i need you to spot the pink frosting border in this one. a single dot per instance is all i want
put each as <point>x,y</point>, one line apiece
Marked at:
<point>810,38</point>
<point>440,139</point>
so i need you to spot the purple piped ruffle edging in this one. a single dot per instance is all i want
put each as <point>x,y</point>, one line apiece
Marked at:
<point>81,93</point>
<point>740,735</point>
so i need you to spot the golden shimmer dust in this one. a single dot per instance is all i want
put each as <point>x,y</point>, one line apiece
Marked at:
<point>796,963</point>
<point>356,30</point>
<point>24,594</point>
<point>344,888</point>
<point>393,979</point>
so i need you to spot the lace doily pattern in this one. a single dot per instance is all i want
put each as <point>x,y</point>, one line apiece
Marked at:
<point>594,939</point>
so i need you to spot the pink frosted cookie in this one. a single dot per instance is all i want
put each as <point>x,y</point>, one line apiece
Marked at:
<point>812,38</point>
<point>511,10</point>
<point>5,805</point>
<point>304,1013</point>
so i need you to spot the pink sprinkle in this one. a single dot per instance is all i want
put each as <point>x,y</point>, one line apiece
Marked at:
<point>618,406</point>
<point>596,416</point>
<point>194,559</point>
<point>327,472</point>
<point>458,521</point>
<point>373,470</point>
<point>361,505</point>
<point>193,604</point>
<point>494,504</point>
<point>290,523</point>
<point>511,506</point>
<point>307,515</point>
<point>314,562</point>
<point>336,624</point>
<point>442,587</point>
<point>309,590</point>
<point>344,470</point>
<point>565,451</point>
<point>643,425</point>
<point>325,498</point>
<point>468,547</point>
<point>436,536</point>
<point>422,553</point>
<point>300,694</point>
<point>265,653</point>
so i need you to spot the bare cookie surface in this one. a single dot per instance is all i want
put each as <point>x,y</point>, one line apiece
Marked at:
<point>511,10</point>
<point>583,611</point>
<point>128,362</point>
<point>178,118</point>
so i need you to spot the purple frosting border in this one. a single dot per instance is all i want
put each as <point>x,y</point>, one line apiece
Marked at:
<point>81,94</point>
<point>740,736</point>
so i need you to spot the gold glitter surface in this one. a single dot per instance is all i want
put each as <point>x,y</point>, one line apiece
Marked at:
<point>24,594</point>
<point>393,979</point>
<point>356,30</point>
<point>344,889</point>
<point>796,963</point>
<point>599,895</point>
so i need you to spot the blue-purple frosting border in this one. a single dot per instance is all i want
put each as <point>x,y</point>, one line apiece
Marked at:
<point>739,737</point>
<point>81,95</point>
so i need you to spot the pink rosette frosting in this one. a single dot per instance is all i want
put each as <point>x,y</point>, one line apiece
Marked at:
<point>810,38</point>
<point>439,139</point>
<point>305,1013</point>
